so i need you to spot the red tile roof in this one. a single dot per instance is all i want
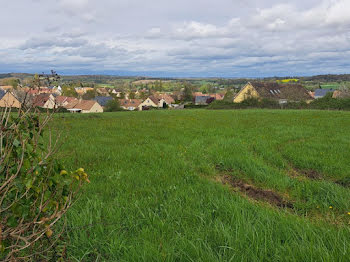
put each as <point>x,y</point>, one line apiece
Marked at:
<point>40,100</point>
<point>83,104</point>
<point>130,102</point>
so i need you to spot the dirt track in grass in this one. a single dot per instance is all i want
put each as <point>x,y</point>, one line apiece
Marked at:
<point>254,192</point>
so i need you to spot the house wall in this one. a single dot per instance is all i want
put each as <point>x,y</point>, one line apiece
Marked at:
<point>161,103</point>
<point>96,108</point>
<point>50,104</point>
<point>148,102</point>
<point>9,100</point>
<point>247,92</point>
<point>130,108</point>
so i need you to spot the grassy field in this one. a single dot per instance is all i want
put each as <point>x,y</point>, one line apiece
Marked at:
<point>330,86</point>
<point>200,185</point>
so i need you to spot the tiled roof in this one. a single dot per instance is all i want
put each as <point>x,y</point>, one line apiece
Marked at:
<point>167,98</point>
<point>62,99</point>
<point>2,93</point>
<point>83,104</point>
<point>41,99</point>
<point>201,99</point>
<point>130,102</point>
<point>273,90</point>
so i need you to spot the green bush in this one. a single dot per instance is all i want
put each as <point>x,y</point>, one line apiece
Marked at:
<point>35,190</point>
<point>113,106</point>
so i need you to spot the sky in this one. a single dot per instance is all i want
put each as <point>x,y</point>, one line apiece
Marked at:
<point>182,38</point>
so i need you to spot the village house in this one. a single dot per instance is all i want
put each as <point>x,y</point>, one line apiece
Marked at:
<point>82,90</point>
<point>102,91</point>
<point>167,98</point>
<point>7,99</point>
<point>62,101</point>
<point>45,101</point>
<point>341,94</point>
<point>130,104</point>
<point>57,90</point>
<point>116,92</point>
<point>6,88</point>
<point>216,96</point>
<point>153,101</point>
<point>282,93</point>
<point>39,90</point>
<point>84,106</point>
<point>203,100</point>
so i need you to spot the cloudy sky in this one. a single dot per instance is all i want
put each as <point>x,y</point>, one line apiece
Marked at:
<point>231,38</point>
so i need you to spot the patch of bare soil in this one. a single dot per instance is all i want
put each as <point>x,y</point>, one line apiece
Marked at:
<point>345,182</point>
<point>256,193</point>
<point>221,167</point>
<point>309,173</point>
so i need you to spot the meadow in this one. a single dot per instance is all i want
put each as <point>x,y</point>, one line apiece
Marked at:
<point>202,185</point>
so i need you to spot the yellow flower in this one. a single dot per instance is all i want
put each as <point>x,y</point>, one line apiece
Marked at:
<point>330,207</point>
<point>63,172</point>
<point>348,213</point>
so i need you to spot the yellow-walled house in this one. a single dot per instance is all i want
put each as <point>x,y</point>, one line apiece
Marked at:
<point>153,101</point>
<point>248,91</point>
<point>7,99</point>
<point>273,91</point>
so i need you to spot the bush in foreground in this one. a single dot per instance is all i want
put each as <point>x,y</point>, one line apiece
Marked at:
<point>35,189</point>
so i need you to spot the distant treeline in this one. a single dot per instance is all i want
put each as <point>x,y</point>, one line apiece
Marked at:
<point>219,81</point>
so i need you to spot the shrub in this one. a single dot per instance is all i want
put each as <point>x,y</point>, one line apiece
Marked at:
<point>35,189</point>
<point>112,106</point>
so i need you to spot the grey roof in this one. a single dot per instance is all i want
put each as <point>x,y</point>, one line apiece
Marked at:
<point>103,100</point>
<point>322,92</point>
<point>2,93</point>
<point>201,99</point>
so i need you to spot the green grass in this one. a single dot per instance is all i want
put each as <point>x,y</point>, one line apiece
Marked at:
<point>105,85</point>
<point>153,196</point>
<point>330,86</point>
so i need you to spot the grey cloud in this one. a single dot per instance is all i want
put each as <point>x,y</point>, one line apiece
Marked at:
<point>49,42</point>
<point>225,37</point>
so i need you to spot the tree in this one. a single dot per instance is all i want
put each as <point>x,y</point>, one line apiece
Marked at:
<point>112,106</point>
<point>89,95</point>
<point>229,96</point>
<point>204,89</point>
<point>187,92</point>
<point>69,91</point>
<point>132,95</point>
<point>14,82</point>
